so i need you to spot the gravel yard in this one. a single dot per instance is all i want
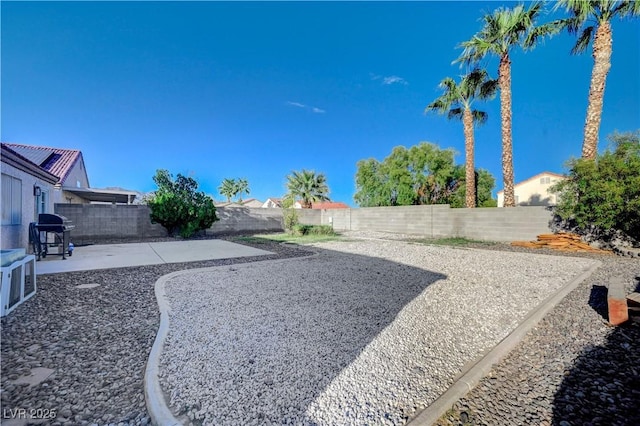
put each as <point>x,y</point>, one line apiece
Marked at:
<point>572,369</point>
<point>367,332</point>
<point>96,339</point>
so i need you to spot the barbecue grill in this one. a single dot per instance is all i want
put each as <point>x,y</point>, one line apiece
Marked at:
<point>56,231</point>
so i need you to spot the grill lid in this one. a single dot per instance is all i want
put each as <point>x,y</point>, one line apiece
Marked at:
<point>52,219</point>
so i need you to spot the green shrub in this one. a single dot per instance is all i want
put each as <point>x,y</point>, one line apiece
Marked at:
<point>176,205</point>
<point>603,195</point>
<point>313,230</point>
<point>290,219</point>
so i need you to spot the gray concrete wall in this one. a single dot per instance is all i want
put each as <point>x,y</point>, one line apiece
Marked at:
<point>435,221</point>
<point>96,222</point>
<point>246,219</point>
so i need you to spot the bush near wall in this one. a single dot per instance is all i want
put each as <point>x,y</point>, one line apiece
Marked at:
<point>313,230</point>
<point>603,195</point>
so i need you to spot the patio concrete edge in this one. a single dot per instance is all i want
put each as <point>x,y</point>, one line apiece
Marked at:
<point>470,378</point>
<point>155,400</point>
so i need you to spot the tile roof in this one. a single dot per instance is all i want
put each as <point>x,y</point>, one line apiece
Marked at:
<point>329,205</point>
<point>56,161</point>
<point>30,167</point>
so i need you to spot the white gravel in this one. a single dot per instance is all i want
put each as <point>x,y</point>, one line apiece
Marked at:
<point>366,332</point>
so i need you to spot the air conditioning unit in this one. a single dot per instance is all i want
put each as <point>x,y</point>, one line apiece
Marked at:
<point>17,279</point>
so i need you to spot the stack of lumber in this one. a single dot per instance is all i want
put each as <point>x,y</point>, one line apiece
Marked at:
<point>562,241</point>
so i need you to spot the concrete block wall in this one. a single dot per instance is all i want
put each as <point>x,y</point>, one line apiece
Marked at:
<point>99,222</point>
<point>309,216</point>
<point>401,219</point>
<point>437,221</point>
<point>95,222</point>
<point>501,224</point>
<point>245,219</point>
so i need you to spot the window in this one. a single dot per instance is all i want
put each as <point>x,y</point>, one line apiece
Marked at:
<point>41,202</point>
<point>545,180</point>
<point>11,200</point>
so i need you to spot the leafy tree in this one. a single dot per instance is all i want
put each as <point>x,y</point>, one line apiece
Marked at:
<point>591,20</point>
<point>308,186</point>
<point>456,102</point>
<point>604,194</point>
<point>234,187</point>
<point>242,187</point>
<point>176,205</point>
<point>228,189</point>
<point>503,31</point>
<point>485,183</point>
<point>422,174</point>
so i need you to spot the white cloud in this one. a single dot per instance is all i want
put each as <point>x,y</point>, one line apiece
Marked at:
<point>394,79</point>
<point>296,104</point>
<point>313,109</point>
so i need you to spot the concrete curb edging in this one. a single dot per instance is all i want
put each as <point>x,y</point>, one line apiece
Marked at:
<point>470,378</point>
<point>154,397</point>
<point>155,401</point>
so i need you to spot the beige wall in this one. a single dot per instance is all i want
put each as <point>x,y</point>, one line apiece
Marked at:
<point>17,236</point>
<point>77,174</point>
<point>534,192</point>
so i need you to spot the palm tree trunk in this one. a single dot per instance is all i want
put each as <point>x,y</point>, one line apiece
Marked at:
<point>470,177</point>
<point>601,64</point>
<point>504,81</point>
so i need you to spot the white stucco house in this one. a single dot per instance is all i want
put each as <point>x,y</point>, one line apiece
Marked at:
<point>272,203</point>
<point>534,191</point>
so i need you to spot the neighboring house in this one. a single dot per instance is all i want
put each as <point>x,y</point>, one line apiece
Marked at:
<point>323,205</point>
<point>35,178</point>
<point>272,203</point>
<point>329,205</point>
<point>534,191</point>
<point>252,202</point>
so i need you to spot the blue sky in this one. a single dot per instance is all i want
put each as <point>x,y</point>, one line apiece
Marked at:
<point>255,90</point>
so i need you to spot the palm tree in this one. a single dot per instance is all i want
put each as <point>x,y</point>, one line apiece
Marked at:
<point>503,30</point>
<point>228,189</point>
<point>309,186</point>
<point>242,186</point>
<point>456,102</point>
<point>591,20</point>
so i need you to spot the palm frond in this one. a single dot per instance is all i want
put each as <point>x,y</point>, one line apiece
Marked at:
<point>479,117</point>
<point>455,113</point>
<point>627,8</point>
<point>573,24</point>
<point>488,89</point>
<point>448,84</point>
<point>540,32</point>
<point>583,40</point>
<point>438,106</point>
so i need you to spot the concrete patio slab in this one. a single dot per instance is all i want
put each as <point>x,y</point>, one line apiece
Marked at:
<point>137,254</point>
